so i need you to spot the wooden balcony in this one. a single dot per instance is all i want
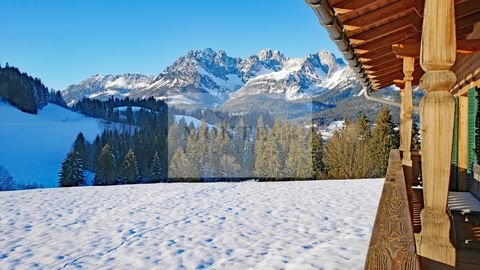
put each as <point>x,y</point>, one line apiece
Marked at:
<point>392,245</point>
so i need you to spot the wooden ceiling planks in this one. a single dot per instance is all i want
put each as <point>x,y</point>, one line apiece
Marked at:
<point>373,26</point>
<point>399,24</point>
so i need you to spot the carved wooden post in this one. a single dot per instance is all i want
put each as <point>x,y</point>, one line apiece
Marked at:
<point>438,54</point>
<point>406,110</point>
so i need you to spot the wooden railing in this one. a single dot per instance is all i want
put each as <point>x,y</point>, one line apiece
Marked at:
<point>392,245</point>
<point>413,184</point>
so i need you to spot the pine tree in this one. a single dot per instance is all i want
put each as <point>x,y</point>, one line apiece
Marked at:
<point>228,167</point>
<point>156,171</point>
<point>317,154</point>
<point>106,168</point>
<point>129,115</point>
<point>261,158</point>
<point>130,168</point>
<point>363,126</point>
<point>384,139</point>
<point>72,173</point>
<point>340,154</point>
<point>271,158</point>
<point>6,180</point>
<point>364,164</point>
<point>199,150</point>
<point>298,164</point>
<point>80,146</point>
<point>182,168</point>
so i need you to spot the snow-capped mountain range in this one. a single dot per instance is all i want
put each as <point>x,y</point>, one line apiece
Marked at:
<point>212,79</point>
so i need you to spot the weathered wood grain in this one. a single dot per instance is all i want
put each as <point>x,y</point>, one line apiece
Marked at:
<point>392,245</point>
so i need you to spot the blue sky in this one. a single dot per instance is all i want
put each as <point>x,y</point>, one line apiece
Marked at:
<point>65,41</point>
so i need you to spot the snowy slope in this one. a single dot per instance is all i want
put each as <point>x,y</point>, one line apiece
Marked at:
<point>188,119</point>
<point>32,147</point>
<point>250,225</point>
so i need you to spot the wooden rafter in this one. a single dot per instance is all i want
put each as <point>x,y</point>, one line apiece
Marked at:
<point>387,12</point>
<point>464,46</point>
<point>378,61</point>
<point>397,25</point>
<point>371,27</point>
<point>387,40</point>
<point>467,8</point>
<point>346,6</point>
<point>387,66</point>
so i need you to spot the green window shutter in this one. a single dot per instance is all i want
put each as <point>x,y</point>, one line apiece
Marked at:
<point>472,132</point>
<point>454,172</point>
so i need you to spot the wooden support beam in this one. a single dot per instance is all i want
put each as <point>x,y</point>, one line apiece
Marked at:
<point>465,46</point>
<point>407,50</point>
<point>437,109</point>
<point>386,40</point>
<point>468,46</point>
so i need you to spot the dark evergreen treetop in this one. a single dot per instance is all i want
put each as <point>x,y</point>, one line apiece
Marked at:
<point>72,173</point>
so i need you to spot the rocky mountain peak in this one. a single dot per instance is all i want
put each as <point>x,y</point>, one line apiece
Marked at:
<point>208,78</point>
<point>269,54</point>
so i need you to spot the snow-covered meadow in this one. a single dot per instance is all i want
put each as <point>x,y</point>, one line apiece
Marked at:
<point>248,225</point>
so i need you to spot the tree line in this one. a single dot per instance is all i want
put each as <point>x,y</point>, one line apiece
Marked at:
<point>132,149</point>
<point>359,150</point>
<point>144,152</point>
<point>25,92</point>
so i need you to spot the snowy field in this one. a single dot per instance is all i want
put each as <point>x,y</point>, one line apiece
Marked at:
<point>249,225</point>
<point>32,147</point>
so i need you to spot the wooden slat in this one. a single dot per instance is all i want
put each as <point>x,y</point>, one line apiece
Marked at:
<point>392,245</point>
<point>364,9</point>
<point>372,26</point>
<point>394,26</point>
<point>464,46</point>
<point>380,60</point>
<point>384,68</point>
<point>346,6</point>
<point>376,53</point>
<point>466,8</point>
<point>383,13</point>
<point>385,41</point>
<point>468,20</point>
<point>389,58</point>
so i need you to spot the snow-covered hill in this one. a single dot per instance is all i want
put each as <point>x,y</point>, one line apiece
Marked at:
<point>34,146</point>
<point>190,120</point>
<point>249,225</point>
<point>210,79</point>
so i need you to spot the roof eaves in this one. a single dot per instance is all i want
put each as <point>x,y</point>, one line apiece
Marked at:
<point>328,19</point>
